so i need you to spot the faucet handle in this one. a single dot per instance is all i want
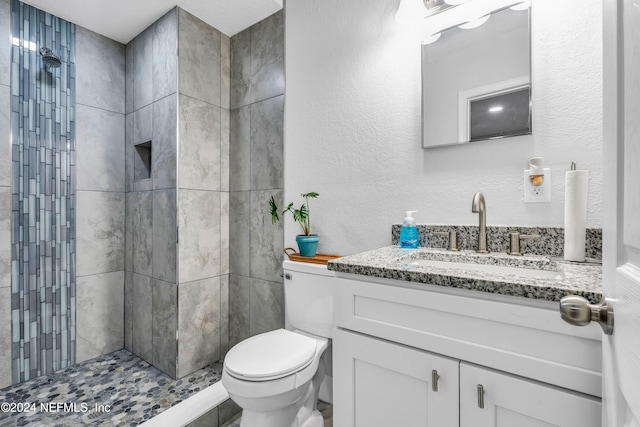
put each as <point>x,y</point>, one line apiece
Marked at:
<point>453,238</point>
<point>514,240</point>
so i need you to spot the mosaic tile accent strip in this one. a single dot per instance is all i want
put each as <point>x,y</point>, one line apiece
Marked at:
<point>551,240</point>
<point>43,194</point>
<point>131,389</point>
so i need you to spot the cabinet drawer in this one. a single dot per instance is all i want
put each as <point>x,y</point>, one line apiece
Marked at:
<point>529,341</point>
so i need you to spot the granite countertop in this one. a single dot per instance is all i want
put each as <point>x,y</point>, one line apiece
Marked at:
<point>391,262</point>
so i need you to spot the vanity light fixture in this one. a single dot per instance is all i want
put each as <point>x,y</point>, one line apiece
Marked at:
<point>411,11</point>
<point>496,109</point>
<point>475,22</point>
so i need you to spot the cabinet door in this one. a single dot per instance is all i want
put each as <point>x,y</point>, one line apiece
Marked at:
<point>515,401</point>
<point>378,383</point>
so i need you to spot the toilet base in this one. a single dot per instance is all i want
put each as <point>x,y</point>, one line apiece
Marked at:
<point>301,413</point>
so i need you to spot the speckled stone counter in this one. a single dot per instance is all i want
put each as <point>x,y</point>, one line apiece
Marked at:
<point>391,262</point>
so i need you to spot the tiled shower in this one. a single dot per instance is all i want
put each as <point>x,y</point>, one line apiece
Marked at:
<point>178,139</point>
<point>42,194</point>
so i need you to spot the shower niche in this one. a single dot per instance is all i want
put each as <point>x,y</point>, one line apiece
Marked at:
<point>142,161</point>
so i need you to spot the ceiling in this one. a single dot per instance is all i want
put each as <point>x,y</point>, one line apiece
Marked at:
<point>122,20</point>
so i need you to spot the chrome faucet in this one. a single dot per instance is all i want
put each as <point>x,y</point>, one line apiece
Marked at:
<point>478,206</point>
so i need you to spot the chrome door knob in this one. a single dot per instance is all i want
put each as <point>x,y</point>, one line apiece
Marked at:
<point>577,311</point>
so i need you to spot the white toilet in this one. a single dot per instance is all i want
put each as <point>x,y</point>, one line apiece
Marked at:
<point>275,377</point>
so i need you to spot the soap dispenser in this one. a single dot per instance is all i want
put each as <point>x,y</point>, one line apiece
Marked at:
<point>409,232</point>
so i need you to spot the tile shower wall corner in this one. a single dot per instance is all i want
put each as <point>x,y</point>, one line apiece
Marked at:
<point>199,239</point>
<point>142,317</point>
<point>256,298</point>
<point>163,154</point>
<point>100,149</point>
<point>100,315</point>
<point>240,69</point>
<point>164,299</point>
<point>101,200</point>
<point>266,306</point>
<point>239,308</point>
<point>267,148</point>
<point>266,238</point>
<point>267,58</point>
<point>100,232</point>
<point>100,69</point>
<point>164,235</point>
<point>199,322</point>
<point>142,69</point>
<point>164,62</point>
<point>199,154</point>
<point>151,205</point>
<point>200,59</point>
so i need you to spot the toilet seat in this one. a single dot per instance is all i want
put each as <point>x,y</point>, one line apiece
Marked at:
<point>270,356</point>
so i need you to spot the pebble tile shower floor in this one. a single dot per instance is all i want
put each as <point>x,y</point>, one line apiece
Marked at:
<point>132,389</point>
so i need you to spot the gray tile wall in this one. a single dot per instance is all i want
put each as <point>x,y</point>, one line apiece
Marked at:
<point>5,197</point>
<point>151,107</point>
<point>178,290</point>
<point>256,295</point>
<point>203,193</point>
<point>100,137</point>
<point>43,139</point>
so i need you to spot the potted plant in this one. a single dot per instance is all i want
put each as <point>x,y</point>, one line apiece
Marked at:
<point>307,242</point>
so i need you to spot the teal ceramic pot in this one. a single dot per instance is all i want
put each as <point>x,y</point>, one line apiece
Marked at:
<point>307,245</point>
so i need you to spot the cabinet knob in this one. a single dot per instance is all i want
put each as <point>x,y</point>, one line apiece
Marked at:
<point>480,396</point>
<point>576,310</point>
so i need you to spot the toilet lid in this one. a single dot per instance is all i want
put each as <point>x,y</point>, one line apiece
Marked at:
<point>270,355</point>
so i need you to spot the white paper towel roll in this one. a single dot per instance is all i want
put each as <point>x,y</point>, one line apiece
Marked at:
<point>576,189</point>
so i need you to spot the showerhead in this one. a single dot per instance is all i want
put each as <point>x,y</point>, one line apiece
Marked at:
<point>49,58</point>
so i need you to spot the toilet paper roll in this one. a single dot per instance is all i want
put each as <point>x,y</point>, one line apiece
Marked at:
<point>576,187</point>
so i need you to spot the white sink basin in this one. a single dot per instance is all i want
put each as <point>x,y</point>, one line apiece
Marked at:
<point>491,269</point>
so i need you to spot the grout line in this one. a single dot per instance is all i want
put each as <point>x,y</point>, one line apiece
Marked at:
<point>100,108</point>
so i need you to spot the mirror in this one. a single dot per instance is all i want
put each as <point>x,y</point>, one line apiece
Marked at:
<point>476,82</point>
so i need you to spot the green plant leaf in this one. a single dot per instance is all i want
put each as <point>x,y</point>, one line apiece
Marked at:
<point>301,215</point>
<point>274,211</point>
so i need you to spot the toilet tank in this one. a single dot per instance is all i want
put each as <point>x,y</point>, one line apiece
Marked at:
<point>308,298</point>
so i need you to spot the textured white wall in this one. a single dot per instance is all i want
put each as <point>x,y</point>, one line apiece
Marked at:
<point>353,126</point>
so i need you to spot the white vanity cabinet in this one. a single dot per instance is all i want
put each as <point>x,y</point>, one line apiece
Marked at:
<point>490,398</point>
<point>387,384</point>
<point>394,338</point>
